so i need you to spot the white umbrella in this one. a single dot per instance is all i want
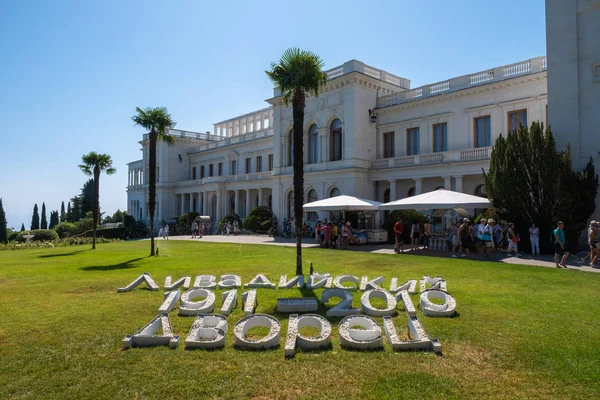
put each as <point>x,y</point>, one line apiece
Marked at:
<point>440,198</point>
<point>342,203</point>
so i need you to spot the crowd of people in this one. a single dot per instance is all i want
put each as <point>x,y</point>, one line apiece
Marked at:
<point>333,235</point>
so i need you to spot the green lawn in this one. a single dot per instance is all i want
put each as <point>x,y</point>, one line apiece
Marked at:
<point>521,332</point>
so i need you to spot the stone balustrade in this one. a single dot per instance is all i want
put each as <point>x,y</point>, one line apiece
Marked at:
<point>531,66</point>
<point>480,153</point>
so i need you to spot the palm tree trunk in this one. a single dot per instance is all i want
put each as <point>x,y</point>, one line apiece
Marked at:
<point>152,185</point>
<point>96,206</point>
<point>298,102</point>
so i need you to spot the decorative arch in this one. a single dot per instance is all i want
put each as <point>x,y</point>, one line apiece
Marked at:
<point>335,140</point>
<point>480,191</point>
<point>334,192</point>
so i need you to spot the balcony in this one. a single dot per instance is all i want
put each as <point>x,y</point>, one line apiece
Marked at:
<point>526,67</point>
<point>191,135</point>
<point>480,153</point>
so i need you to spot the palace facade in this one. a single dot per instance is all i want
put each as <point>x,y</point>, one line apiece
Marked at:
<point>368,134</point>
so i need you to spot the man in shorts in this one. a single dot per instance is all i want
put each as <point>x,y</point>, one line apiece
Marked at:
<point>399,234</point>
<point>560,245</point>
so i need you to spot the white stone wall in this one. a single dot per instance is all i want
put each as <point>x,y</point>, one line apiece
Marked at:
<point>573,37</point>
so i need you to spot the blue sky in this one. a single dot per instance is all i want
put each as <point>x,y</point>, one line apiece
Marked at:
<point>72,72</point>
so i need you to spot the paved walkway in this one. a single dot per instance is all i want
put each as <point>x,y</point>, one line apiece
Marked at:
<point>541,261</point>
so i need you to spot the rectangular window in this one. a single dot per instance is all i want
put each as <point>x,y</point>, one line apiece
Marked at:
<point>193,173</point>
<point>412,141</point>
<point>220,168</point>
<point>440,137</point>
<point>233,167</point>
<point>201,171</point>
<point>211,170</point>
<point>259,164</point>
<point>248,164</point>
<point>270,162</point>
<point>388,145</point>
<point>483,131</point>
<point>516,119</point>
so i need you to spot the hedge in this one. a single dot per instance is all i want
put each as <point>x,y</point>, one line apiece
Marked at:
<point>41,235</point>
<point>259,219</point>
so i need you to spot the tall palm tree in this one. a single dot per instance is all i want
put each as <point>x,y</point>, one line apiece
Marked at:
<point>297,73</point>
<point>157,121</point>
<point>93,164</point>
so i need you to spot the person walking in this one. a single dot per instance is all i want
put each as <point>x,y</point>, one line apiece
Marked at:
<point>487,239</point>
<point>194,229</point>
<point>560,245</point>
<point>453,239</point>
<point>426,234</point>
<point>513,240</point>
<point>398,235</point>
<point>497,235</point>
<point>166,232</point>
<point>344,237</point>
<point>327,230</point>
<point>228,228</point>
<point>415,236</point>
<point>464,236</point>
<point>318,228</point>
<point>236,227</point>
<point>534,238</point>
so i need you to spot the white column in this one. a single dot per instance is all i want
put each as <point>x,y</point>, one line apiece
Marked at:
<point>247,202</point>
<point>218,211</point>
<point>191,202</point>
<point>237,202</point>
<point>393,195</point>
<point>459,183</point>
<point>204,203</point>
<point>418,182</point>
<point>182,203</point>
<point>260,197</point>
<point>448,182</point>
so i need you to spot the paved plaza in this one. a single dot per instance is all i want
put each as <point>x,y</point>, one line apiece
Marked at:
<point>502,257</point>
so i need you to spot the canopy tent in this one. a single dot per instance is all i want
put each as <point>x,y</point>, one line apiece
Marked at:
<point>437,199</point>
<point>342,203</point>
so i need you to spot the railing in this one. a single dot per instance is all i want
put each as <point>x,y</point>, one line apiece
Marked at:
<point>191,135</point>
<point>357,66</point>
<point>199,182</point>
<point>232,140</point>
<point>531,66</point>
<point>481,153</point>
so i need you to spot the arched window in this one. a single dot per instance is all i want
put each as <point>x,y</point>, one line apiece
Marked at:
<point>335,192</point>
<point>313,145</point>
<point>312,196</point>
<point>291,148</point>
<point>290,205</point>
<point>480,191</point>
<point>411,192</point>
<point>335,141</point>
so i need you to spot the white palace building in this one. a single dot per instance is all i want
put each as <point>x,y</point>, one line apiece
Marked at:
<point>368,134</point>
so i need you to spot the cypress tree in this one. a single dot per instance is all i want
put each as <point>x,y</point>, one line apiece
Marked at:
<point>22,227</point>
<point>69,212</point>
<point>63,214</point>
<point>3,232</point>
<point>53,219</point>
<point>529,182</point>
<point>44,224</point>
<point>87,197</point>
<point>35,219</point>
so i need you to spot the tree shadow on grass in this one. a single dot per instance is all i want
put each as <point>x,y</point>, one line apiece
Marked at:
<point>123,265</point>
<point>63,254</point>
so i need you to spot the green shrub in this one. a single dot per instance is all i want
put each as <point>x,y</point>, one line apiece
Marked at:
<point>13,236</point>
<point>408,217</point>
<point>229,217</point>
<point>259,218</point>
<point>128,221</point>
<point>65,229</point>
<point>41,235</point>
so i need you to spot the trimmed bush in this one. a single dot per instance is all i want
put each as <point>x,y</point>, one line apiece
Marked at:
<point>41,235</point>
<point>408,217</point>
<point>65,229</point>
<point>229,217</point>
<point>259,219</point>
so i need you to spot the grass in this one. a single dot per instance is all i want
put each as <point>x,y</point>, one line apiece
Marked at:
<point>522,332</point>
